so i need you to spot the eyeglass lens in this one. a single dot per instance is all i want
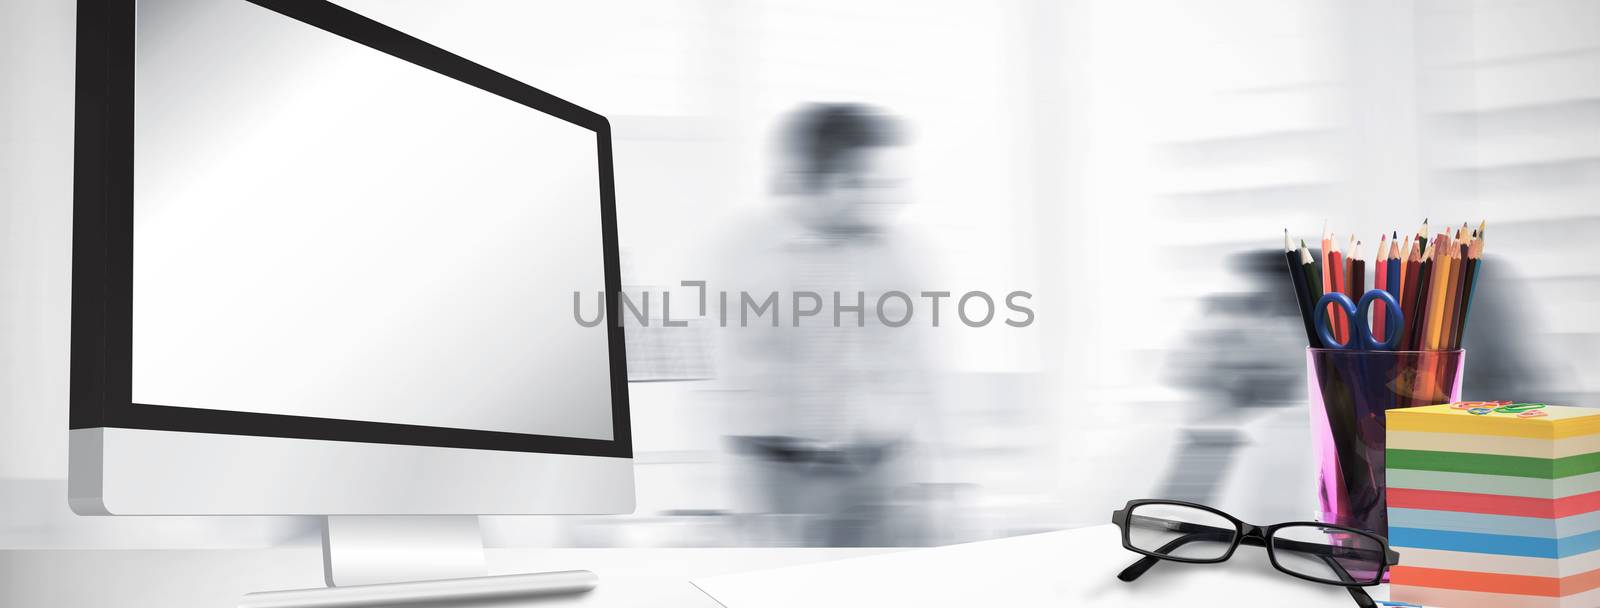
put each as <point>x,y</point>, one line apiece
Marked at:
<point>1328,554</point>
<point>1180,531</point>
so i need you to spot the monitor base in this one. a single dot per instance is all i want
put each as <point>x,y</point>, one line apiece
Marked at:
<point>389,560</point>
<point>430,593</point>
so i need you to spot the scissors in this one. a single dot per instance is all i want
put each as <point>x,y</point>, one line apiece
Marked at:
<point>1361,337</point>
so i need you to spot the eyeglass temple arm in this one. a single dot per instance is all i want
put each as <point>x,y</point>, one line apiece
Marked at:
<point>1138,568</point>
<point>1356,593</point>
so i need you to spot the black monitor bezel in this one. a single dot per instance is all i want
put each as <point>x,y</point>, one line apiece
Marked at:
<point>102,250</point>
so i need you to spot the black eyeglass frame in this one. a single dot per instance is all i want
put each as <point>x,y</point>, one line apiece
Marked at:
<point>1247,534</point>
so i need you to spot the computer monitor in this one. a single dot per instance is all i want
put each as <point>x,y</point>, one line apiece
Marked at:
<point>323,267</point>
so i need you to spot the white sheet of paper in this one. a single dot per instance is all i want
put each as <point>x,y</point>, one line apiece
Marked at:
<point>1055,569</point>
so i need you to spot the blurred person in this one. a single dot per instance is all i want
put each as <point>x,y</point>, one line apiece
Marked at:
<point>827,406</point>
<point>1244,352</point>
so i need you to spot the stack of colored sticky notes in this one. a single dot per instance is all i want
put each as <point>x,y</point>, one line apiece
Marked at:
<point>1495,504</point>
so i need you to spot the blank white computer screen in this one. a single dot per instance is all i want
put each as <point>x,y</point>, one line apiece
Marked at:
<point>324,230</point>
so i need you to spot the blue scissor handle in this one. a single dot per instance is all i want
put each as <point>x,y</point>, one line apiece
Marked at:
<point>1361,337</point>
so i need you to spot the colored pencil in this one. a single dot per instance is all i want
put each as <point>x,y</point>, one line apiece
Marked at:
<point>1356,284</point>
<point>1396,276</point>
<point>1322,255</point>
<point>1475,258</point>
<point>1326,255</point>
<point>1313,277</point>
<point>1352,253</point>
<point>1458,300</point>
<point>1335,268</point>
<point>1408,299</point>
<point>1417,340</point>
<point>1451,278</point>
<point>1380,281</point>
<point>1353,283</point>
<point>1436,298</point>
<point>1452,291</point>
<point>1405,257</point>
<point>1301,295</point>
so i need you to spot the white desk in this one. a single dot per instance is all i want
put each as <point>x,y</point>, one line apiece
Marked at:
<point>633,578</point>
<point>657,578</point>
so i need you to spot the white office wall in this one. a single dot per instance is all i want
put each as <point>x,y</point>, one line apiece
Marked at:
<point>36,78</point>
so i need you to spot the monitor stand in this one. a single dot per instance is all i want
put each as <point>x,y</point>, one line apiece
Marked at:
<point>382,560</point>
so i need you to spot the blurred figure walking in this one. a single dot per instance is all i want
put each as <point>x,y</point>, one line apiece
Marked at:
<point>826,404</point>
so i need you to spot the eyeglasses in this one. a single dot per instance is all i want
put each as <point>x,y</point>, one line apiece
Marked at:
<point>1186,532</point>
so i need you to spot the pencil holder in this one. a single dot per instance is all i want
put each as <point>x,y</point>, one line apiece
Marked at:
<point>1350,390</point>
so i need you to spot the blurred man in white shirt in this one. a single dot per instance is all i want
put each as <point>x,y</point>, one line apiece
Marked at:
<point>828,404</point>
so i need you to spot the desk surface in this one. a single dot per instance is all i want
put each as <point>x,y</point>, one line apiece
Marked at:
<point>628,577</point>
<point>218,578</point>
